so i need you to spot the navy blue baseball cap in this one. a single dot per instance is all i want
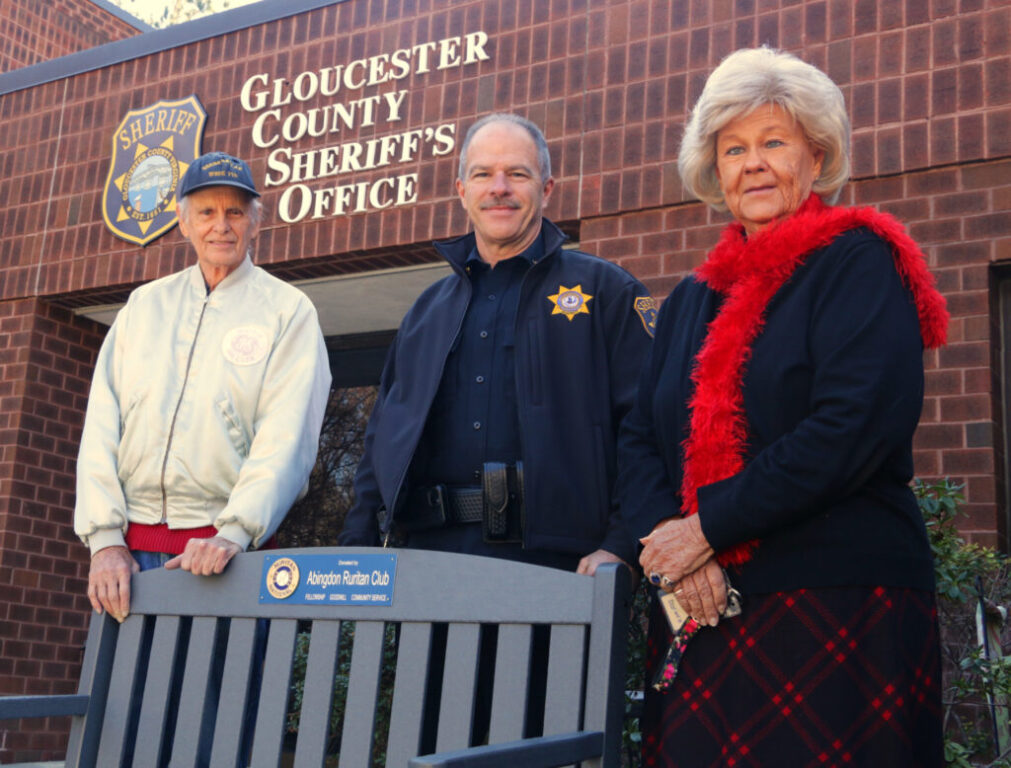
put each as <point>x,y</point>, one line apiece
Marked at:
<point>217,169</point>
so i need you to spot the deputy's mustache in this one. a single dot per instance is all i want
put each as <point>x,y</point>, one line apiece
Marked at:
<point>500,202</point>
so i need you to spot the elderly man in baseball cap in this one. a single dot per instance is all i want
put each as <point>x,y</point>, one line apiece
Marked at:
<point>206,404</point>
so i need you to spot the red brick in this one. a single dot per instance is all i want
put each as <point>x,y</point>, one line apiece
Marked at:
<point>981,490</point>
<point>975,380</point>
<point>971,461</point>
<point>942,382</point>
<point>965,408</point>
<point>998,133</point>
<point>934,436</point>
<point>975,354</point>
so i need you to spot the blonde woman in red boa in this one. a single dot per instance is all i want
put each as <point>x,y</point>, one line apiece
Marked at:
<point>770,450</point>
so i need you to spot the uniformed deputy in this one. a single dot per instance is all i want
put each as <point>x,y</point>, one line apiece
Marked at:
<point>495,424</point>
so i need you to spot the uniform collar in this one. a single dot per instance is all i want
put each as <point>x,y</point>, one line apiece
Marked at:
<point>532,253</point>
<point>458,249</point>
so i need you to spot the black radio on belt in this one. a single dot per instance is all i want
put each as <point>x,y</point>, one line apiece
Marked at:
<point>497,504</point>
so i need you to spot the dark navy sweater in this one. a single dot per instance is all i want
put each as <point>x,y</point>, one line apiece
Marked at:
<point>832,394</point>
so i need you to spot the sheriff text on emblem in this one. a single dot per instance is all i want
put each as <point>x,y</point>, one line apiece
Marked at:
<point>570,301</point>
<point>151,150</point>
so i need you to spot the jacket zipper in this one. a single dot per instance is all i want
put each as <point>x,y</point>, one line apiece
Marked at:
<point>175,413</point>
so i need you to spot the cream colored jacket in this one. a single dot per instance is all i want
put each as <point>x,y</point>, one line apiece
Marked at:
<point>205,409</point>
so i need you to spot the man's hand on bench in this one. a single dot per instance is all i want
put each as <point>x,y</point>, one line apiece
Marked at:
<point>205,557</point>
<point>109,581</point>
<point>588,565</point>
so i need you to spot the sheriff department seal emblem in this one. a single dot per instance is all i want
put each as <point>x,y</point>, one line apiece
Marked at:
<point>570,302</point>
<point>282,578</point>
<point>151,150</point>
<point>645,307</point>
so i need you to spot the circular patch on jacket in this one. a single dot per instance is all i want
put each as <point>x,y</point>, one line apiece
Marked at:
<point>282,578</point>
<point>245,345</point>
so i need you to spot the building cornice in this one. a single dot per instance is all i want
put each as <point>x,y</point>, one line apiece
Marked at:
<point>155,41</point>
<point>122,15</point>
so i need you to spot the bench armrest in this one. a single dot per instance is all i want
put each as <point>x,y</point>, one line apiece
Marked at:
<point>540,752</point>
<point>16,707</point>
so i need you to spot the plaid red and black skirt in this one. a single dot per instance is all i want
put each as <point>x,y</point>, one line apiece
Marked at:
<point>819,677</point>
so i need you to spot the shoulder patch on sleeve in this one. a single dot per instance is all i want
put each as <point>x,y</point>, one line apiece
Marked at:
<point>645,307</point>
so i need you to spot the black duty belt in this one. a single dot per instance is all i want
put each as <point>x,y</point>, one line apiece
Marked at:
<point>438,505</point>
<point>497,504</point>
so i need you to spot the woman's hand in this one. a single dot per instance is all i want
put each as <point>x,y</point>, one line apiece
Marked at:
<point>675,548</point>
<point>703,593</point>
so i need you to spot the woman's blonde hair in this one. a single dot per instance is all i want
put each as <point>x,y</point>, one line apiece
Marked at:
<point>748,79</point>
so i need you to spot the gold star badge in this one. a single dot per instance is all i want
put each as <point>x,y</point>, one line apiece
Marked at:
<point>570,301</point>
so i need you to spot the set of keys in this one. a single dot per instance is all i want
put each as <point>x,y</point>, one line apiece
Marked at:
<point>684,628</point>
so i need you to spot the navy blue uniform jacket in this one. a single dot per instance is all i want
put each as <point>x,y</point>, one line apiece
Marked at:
<point>832,394</point>
<point>575,382</point>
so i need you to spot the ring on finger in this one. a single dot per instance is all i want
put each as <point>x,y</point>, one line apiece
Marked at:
<point>666,583</point>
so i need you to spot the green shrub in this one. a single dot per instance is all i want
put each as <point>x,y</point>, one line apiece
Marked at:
<point>966,575</point>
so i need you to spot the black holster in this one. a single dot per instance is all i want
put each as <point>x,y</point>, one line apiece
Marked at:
<point>504,509</point>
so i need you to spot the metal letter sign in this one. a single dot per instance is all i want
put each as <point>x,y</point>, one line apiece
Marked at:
<point>151,150</point>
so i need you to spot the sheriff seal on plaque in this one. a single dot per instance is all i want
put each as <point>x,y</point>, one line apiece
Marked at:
<point>151,150</point>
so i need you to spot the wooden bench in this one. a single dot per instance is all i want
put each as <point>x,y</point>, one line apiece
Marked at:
<point>161,663</point>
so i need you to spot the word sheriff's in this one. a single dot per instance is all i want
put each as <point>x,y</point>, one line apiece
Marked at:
<point>285,166</point>
<point>259,92</point>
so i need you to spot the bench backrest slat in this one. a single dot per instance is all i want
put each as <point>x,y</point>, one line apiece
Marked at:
<point>363,693</point>
<point>195,697</point>
<point>155,707</point>
<point>564,695</point>
<point>414,645</point>
<point>96,670</point>
<point>234,687</point>
<point>459,682</point>
<point>273,705</point>
<point>127,667</point>
<point>509,690</point>
<point>317,695</point>
<point>605,669</point>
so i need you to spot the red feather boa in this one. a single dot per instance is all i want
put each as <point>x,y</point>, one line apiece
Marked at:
<point>748,272</point>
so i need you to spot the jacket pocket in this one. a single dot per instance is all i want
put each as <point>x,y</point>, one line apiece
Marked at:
<point>133,431</point>
<point>233,424</point>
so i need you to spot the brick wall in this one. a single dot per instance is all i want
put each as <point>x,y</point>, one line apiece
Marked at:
<point>32,31</point>
<point>46,357</point>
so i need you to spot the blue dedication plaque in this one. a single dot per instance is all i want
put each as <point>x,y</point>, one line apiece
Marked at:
<point>349,579</point>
